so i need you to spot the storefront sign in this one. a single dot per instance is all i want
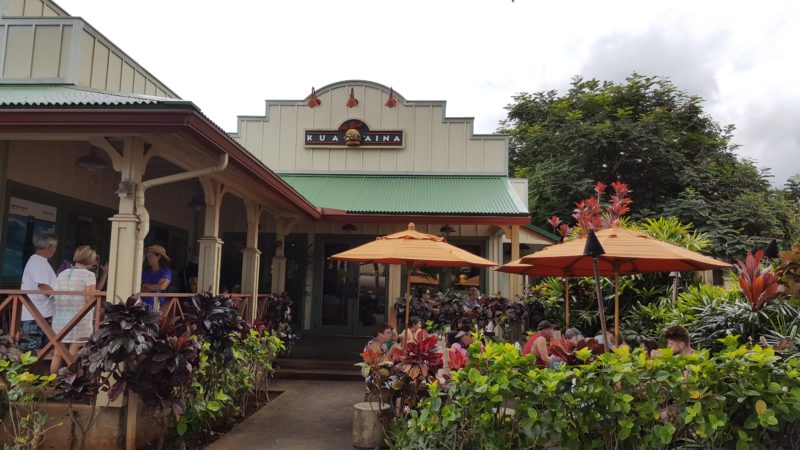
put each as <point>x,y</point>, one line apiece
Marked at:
<point>353,133</point>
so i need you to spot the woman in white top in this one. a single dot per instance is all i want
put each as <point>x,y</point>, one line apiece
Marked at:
<point>78,278</point>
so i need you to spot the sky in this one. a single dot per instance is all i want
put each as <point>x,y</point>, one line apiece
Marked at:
<point>229,56</point>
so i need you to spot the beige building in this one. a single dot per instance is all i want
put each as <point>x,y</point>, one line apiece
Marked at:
<point>375,161</point>
<point>94,148</point>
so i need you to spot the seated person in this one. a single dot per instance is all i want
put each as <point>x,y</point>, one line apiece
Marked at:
<point>609,337</point>
<point>414,332</point>
<point>463,340</point>
<point>383,334</point>
<point>648,345</point>
<point>677,338</point>
<point>574,337</point>
<point>538,342</point>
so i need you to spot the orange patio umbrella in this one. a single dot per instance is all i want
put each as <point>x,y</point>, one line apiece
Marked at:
<point>411,248</point>
<point>627,252</point>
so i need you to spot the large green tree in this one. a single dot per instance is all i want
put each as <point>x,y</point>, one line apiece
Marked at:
<point>678,160</point>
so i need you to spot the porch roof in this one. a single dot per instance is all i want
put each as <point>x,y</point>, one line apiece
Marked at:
<point>70,110</point>
<point>411,195</point>
<point>73,96</point>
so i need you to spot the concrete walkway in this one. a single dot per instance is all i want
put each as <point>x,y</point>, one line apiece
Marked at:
<point>309,415</point>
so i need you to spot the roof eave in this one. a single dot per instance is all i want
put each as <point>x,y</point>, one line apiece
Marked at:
<point>182,118</point>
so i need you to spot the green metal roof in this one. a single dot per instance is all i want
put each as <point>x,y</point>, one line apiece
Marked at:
<point>38,95</point>
<point>401,194</point>
<point>544,232</point>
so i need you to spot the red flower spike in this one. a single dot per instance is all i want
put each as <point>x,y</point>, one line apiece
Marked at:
<point>313,101</point>
<point>600,188</point>
<point>759,286</point>
<point>351,101</point>
<point>555,221</point>
<point>392,101</point>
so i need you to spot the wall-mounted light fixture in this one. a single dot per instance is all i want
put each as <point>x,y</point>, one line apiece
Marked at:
<point>126,188</point>
<point>348,228</point>
<point>196,203</point>
<point>446,230</point>
<point>91,161</point>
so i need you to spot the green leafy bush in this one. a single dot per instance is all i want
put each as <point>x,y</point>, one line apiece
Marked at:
<point>23,415</point>
<point>742,397</point>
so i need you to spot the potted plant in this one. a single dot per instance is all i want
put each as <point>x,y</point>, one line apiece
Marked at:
<point>371,416</point>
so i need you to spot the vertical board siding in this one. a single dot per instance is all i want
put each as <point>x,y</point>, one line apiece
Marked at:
<point>65,64</point>
<point>421,138</point>
<point>86,51</point>
<point>457,146</point>
<point>46,51</point>
<point>305,119</point>
<point>114,80</point>
<point>33,8</point>
<point>439,137</point>
<point>433,144</point>
<point>15,8</point>
<point>99,66</point>
<point>19,52</point>
<point>288,141</point>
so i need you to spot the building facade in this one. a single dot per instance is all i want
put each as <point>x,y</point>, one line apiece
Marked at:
<point>375,161</point>
<point>94,148</point>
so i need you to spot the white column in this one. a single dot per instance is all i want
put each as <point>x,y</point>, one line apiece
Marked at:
<point>210,257</point>
<point>515,283</point>
<point>308,303</point>
<point>251,257</point>
<point>124,277</point>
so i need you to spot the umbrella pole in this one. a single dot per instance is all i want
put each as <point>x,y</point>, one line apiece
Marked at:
<point>675,290</point>
<point>566,301</point>
<point>616,305</point>
<point>600,304</point>
<point>408,297</point>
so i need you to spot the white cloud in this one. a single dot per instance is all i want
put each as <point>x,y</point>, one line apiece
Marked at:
<point>229,56</point>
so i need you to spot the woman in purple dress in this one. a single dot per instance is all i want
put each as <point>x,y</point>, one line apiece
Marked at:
<point>156,275</point>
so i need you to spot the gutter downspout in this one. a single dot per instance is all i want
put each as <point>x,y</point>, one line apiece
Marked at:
<point>144,216</point>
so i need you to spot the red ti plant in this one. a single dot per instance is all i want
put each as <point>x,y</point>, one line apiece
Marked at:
<point>595,213</point>
<point>421,359</point>
<point>759,285</point>
<point>458,359</point>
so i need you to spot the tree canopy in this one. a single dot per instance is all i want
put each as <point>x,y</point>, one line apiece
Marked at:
<point>658,139</point>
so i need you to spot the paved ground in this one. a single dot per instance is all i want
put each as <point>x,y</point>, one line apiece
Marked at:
<point>309,415</point>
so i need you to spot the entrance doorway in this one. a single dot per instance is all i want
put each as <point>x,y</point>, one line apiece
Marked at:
<point>351,297</point>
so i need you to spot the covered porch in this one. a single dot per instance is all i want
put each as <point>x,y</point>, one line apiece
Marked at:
<point>120,172</point>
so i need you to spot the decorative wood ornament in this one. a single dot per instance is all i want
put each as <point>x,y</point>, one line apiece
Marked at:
<point>392,101</point>
<point>313,100</point>
<point>352,102</point>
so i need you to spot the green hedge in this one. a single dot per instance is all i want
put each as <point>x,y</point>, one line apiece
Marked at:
<point>740,398</point>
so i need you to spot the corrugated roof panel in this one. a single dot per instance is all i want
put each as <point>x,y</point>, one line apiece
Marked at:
<point>394,194</point>
<point>54,95</point>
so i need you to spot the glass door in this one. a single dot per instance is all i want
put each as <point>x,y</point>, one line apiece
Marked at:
<point>353,295</point>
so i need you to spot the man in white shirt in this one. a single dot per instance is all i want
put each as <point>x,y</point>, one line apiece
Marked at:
<point>39,275</point>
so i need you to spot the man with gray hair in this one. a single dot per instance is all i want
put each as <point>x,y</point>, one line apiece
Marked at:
<point>39,276</point>
<point>573,336</point>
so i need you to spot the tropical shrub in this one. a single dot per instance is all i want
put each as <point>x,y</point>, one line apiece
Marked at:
<point>742,397</point>
<point>23,414</point>
<point>789,270</point>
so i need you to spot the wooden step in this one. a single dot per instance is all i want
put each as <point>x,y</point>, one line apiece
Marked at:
<point>316,364</point>
<point>317,374</point>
